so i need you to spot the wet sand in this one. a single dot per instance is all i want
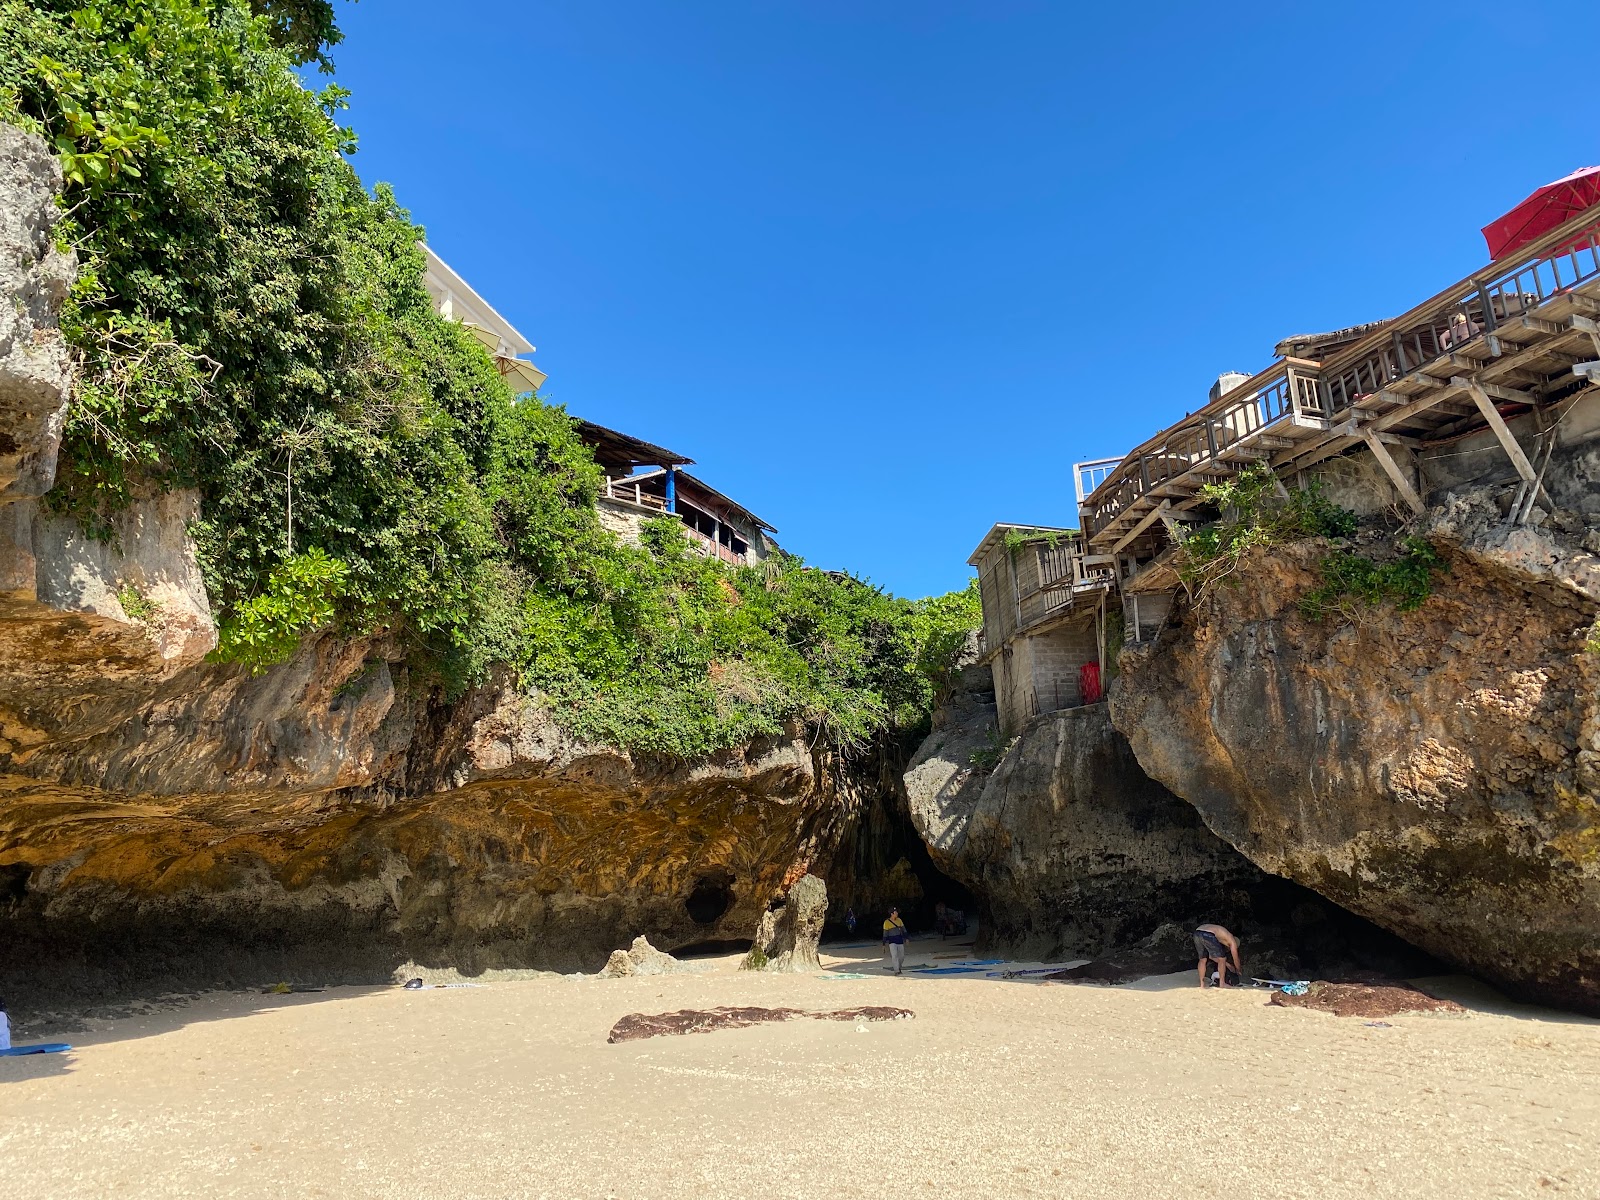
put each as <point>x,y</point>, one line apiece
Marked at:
<point>996,1088</point>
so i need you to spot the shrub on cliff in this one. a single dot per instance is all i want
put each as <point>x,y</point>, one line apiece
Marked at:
<point>252,322</point>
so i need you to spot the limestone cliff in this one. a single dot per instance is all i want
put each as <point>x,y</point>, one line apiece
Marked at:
<point>1434,771</point>
<point>1071,848</point>
<point>169,822</point>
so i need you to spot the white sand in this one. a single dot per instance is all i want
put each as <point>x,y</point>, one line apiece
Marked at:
<point>995,1089</point>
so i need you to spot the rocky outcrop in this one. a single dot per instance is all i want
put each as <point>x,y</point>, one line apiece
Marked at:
<point>1436,771</point>
<point>35,366</point>
<point>786,939</point>
<point>335,817</point>
<point>1070,847</point>
<point>642,958</point>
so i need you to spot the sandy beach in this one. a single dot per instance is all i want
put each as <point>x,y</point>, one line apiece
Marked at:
<point>996,1087</point>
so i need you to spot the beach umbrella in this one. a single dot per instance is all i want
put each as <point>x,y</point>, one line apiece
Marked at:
<point>1550,206</point>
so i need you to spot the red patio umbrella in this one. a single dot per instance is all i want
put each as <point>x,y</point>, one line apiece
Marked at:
<point>1541,212</point>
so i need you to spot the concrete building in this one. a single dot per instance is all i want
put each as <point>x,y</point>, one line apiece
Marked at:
<point>1045,619</point>
<point>455,298</point>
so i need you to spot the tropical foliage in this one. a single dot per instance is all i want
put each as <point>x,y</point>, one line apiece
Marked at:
<point>252,323</point>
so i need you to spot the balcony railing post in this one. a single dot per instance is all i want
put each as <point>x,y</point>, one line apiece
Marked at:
<point>1211,437</point>
<point>1489,325</point>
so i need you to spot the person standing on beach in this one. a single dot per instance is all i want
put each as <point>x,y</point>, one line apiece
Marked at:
<point>1214,944</point>
<point>850,921</point>
<point>894,937</point>
<point>5,1028</point>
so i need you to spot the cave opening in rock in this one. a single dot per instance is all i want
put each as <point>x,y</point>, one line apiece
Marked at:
<point>711,898</point>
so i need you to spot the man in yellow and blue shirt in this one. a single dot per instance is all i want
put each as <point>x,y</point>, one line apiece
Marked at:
<point>894,937</point>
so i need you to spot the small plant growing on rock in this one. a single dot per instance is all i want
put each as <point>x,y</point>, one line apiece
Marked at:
<point>1255,513</point>
<point>1350,579</point>
<point>987,758</point>
<point>135,605</point>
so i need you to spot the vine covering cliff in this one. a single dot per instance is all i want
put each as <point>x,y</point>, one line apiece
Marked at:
<point>428,708</point>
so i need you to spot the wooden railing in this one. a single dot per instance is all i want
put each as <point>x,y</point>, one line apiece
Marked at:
<point>1464,320</point>
<point>621,489</point>
<point>1216,437</point>
<point>714,549</point>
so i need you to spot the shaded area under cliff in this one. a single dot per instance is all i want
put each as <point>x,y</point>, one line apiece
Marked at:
<point>1073,851</point>
<point>1432,771</point>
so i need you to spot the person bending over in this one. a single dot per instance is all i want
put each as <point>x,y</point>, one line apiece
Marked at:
<point>894,937</point>
<point>1214,944</point>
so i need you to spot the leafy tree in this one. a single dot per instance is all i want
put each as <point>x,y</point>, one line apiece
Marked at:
<point>252,323</point>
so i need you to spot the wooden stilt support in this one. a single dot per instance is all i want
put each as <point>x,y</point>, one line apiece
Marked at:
<point>1498,423</point>
<point>1145,522</point>
<point>1392,470</point>
<point>1173,527</point>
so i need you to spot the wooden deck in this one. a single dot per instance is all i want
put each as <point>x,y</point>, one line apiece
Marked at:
<point>1498,344</point>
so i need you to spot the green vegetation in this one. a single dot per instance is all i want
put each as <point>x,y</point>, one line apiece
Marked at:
<point>1347,579</point>
<point>1016,539</point>
<point>987,757</point>
<point>1256,514</point>
<point>135,605</point>
<point>252,323</point>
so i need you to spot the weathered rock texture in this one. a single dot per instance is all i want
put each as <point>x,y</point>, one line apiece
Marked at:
<point>35,367</point>
<point>1070,847</point>
<point>168,822</point>
<point>787,937</point>
<point>1434,771</point>
<point>333,818</point>
<point>643,959</point>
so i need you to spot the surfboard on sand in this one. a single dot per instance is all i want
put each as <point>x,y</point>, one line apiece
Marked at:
<point>40,1048</point>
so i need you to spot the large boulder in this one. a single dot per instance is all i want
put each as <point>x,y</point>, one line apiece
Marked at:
<point>1069,845</point>
<point>1436,771</point>
<point>786,937</point>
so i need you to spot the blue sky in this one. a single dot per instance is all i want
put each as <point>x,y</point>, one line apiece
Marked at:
<point>885,270</point>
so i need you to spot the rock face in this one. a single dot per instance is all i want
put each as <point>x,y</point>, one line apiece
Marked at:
<point>169,823</point>
<point>786,939</point>
<point>1437,772</point>
<point>642,959</point>
<point>35,367</point>
<point>333,818</point>
<point>1070,847</point>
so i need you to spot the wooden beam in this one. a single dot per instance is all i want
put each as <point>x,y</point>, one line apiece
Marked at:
<point>1497,423</point>
<point>1585,325</point>
<point>1149,519</point>
<point>1395,439</point>
<point>1173,527</point>
<point>1391,419</point>
<point>1392,470</point>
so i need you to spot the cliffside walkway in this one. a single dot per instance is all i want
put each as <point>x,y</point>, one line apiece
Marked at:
<point>1499,343</point>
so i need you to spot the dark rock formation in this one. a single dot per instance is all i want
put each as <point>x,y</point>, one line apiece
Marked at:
<point>1069,846</point>
<point>1436,771</point>
<point>786,939</point>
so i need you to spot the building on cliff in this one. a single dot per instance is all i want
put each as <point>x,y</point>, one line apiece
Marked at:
<point>1486,375</point>
<point>1045,618</point>
<point>455,298</point>
<point>644,480</point>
